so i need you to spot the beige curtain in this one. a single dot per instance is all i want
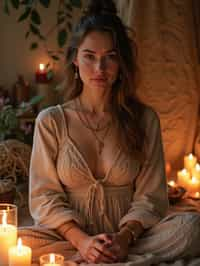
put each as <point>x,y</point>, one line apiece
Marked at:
<point>168,60</point>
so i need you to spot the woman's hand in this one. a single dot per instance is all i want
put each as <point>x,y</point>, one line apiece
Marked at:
<point>120,245</point>
<point>97,249</point>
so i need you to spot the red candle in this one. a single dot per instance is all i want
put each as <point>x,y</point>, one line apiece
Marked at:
<point>41,74</point>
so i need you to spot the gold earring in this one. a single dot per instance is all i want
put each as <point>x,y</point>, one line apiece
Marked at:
<point>76,73</point>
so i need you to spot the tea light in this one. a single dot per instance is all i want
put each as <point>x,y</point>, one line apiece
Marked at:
<point>20,255</point>
<point>190,161</point>
<point>8,230</point>
<point>183,177</point>
<point>51,260</point>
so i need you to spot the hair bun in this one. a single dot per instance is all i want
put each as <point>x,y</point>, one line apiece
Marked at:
<point>97,7</point>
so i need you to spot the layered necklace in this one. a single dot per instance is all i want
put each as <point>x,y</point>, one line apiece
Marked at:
<point>99,128</point>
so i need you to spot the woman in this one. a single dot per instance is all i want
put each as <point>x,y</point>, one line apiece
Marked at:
<point>97,181</point>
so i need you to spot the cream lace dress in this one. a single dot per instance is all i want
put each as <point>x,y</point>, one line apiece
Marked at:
<point>63,188</point>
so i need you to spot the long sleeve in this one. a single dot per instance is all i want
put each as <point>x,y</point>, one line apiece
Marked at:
<point>150,200</point>
<point>48,201</point>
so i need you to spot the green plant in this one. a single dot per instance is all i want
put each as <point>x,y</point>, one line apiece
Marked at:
<point>29,13</point>
<point>11,123</point>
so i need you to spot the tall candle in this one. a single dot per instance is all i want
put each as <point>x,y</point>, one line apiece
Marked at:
<point>20,255</point>
<point>8,237</point>
<point>183,177</point>
<point>190,161</point>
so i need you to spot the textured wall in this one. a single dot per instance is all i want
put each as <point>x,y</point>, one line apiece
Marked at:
<point>165,35</point>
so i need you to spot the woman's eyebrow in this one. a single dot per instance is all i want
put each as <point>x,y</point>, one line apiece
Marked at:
<point>93,52</point>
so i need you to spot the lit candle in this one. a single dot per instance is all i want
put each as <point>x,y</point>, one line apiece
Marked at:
<point>8,235</point>
<point>196,171</point>
<point>20,255</point>
<point>190,161</point>
<point>172,183</point>
<point>41,74</point>
<point>51,260</point>
<point>183,178</point>
<point>193,185</point>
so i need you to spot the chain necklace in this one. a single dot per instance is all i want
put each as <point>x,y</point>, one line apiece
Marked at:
<point>86,122</point>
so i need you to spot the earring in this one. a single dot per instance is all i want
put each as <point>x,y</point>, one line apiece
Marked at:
<point>76,73</point>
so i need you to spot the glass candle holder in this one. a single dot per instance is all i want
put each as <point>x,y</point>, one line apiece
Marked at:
<point>51,260</point>
<point>8,230</point>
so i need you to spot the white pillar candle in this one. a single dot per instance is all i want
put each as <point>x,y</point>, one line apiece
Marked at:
<point>8,238</point>
<point>183,177</point>
<point>20,255</point>
<point>190,161</point>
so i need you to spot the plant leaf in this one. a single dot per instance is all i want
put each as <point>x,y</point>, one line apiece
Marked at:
<point>15,3</point>
<point>34,45</point>
<point>6,7</point>
<point>25,14</point>
<point>62,37</point>
<point>36,99</point>
<point>76,3</point>
<point>35,17</point>
<point>34,30</point>
<point>45,3</point>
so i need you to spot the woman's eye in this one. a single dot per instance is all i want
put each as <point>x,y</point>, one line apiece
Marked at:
<point>111,56</point>
<point>89,56</point>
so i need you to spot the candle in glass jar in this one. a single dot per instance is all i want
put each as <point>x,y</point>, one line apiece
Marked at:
<point>19,255</point>
<point>8,233</point>
<point>51,260</point>
<point>190,161</point>
<point>183,177</point>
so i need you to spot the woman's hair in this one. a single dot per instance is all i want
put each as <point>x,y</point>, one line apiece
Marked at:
<point>127,111</point>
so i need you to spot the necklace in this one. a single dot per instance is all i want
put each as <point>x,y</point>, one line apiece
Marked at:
<point>86,122</point>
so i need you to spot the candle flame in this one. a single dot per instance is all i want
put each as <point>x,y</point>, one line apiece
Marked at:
<point>19,244</point>
<point>172,183</point>
<point>190,156</point>
<point>184,171</point>
<point>4,218</point>
<point>52,258</point>
<point>194,180</point>
<point>197,167</point>
<point>41,66</point>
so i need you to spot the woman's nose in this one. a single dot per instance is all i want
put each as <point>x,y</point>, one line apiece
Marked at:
<point>100,64</point>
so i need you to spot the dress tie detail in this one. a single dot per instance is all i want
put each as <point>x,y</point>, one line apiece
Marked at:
<point>96,192</point>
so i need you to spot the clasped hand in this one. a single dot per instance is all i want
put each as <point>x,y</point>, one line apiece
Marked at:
<point>103,248</point>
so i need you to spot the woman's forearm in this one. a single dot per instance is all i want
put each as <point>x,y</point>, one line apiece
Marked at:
<point>130,231</point>
<point>72,232</point>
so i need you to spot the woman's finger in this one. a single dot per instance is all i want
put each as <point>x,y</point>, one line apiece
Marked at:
<point>107,238</point>
<point>105,250</point>
<point>99,257</point>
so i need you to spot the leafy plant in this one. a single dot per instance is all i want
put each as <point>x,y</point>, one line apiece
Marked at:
<point>11,124</point>
<point>29,13</point>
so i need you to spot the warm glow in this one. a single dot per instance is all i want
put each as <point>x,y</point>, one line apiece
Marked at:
<point>190,156</point>
<point>172,183</point>
<point>184,171</point>
<point>4,218</point>
<point>197,195</point>
<point>52,258</point>
<point>41,67</point>
<point>19,245</point>
<point>194,180</point>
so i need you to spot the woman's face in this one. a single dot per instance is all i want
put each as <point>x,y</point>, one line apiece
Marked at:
<point>97,60</point>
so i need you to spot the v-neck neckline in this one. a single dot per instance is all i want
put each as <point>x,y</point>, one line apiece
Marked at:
<point>84,161</point>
